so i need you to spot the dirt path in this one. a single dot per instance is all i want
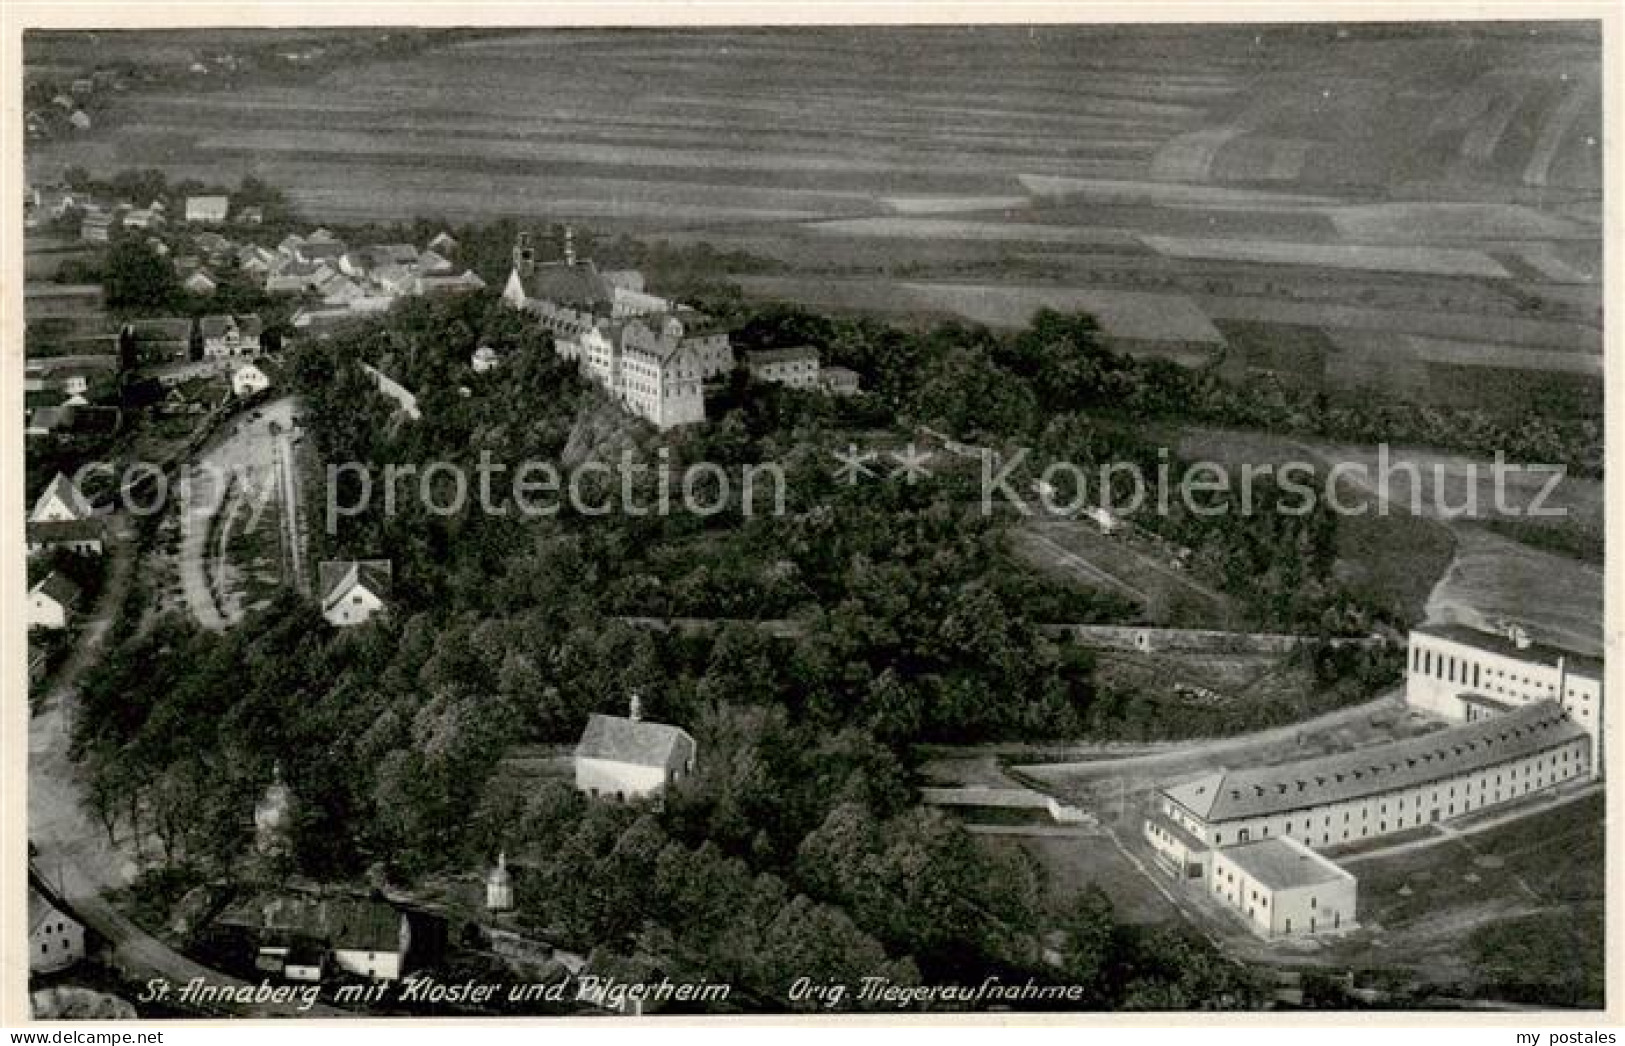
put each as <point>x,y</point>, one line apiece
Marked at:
<point>1086,570</point>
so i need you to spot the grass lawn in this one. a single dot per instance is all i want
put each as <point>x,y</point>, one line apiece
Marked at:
<point>1069,864</point>
<point>1513,912</point>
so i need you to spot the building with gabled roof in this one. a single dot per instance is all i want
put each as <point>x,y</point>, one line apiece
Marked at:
<point>627,757</point>
<point>207,210</point>
<point>352,591</point>
<point>51,603</point>
<point>56,940</point>
<point>365,936</point>
<point>61,500</point>
<point>796,367</point>
<point>1349,796</point>
<point>225,336</point>
<point>443,243</point>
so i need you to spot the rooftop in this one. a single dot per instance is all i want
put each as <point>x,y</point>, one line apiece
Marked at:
<point>618,739</point>
<point>1534,653</point>
<point>337,578</point>
<point>790,355</point>
<point>1283,863</point>
<point>562,284</point>
<point>1262,791</point>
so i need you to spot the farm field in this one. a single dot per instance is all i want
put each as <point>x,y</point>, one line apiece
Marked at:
<point>1356,182</point>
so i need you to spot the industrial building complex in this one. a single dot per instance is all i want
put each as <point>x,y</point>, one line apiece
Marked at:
<point>1521,718</point>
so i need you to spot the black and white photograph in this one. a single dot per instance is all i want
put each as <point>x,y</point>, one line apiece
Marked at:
<point>808,520</point>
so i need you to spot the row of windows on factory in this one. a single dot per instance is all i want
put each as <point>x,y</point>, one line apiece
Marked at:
<point>1452,669</point>
<point>1391,812</point>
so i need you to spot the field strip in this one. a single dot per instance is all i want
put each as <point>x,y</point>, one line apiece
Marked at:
<point>1169,193</point>
<point>1479,144</point>
<point>1553,130</point>
<point>1189,157</point>
<point>1438,261</point>
<point>947,229</point>
<point>953,204</point>
<point>1464,353</point>
<point>1136,315</point>
<point>1506,330</point>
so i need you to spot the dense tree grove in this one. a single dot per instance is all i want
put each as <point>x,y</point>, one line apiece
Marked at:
<point>797,843</point>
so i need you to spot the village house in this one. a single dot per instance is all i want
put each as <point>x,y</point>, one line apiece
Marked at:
<point>200,283</point>
<point>249,379</point>
<point>157,341</point>
<point>485,359</point>
<point>56,940</point>
<point>251,216</point>
<point>226,336</point>
<point>839,381</point>
<point>796,367</point>
<point>60,502</point>
<point>98,226</point>
<point>352,591</point>
<point>431,264</point>
<point>51,603</point>
<point>79,120</point>
<point>49,421</point>
<point>443,244</point>
<point>81,536</point>
<point>207,210</point>
<point>626,758</point>
<point>467,282</point>
<point>297,936</point>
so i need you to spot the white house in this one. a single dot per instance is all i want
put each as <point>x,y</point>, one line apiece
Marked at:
<point>353,591</point>
<point>55,940</point>
<point>624,757</point>
<point>796,367</point>
<point>248,379</point>
<point>839,381</point>
<point>207,210</point>
<point>51,603</point>
<point>61,502</point>
<point>485,359</point>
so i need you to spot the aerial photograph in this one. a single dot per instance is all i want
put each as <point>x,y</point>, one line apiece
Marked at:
<point>812,520</point>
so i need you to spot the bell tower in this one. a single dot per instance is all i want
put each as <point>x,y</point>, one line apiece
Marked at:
<point>524,255</point>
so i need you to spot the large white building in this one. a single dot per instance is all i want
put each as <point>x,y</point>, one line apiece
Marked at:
<point>1463,675</point>
<point>1383,789</point>
<point>652,355</point>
